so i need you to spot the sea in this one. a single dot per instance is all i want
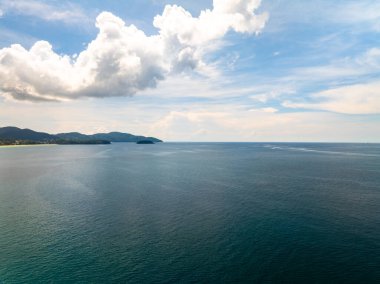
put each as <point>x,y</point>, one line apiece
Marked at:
<point>190,213</point>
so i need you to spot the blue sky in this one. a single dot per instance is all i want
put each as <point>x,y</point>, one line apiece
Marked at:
<point>290,71</point>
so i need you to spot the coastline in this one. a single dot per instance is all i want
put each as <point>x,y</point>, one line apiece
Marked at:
<point>26,145</point>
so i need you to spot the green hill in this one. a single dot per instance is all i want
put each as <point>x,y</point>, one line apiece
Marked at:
<point>14,135</point>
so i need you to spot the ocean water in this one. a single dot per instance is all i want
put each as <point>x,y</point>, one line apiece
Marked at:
<point>190,213</point>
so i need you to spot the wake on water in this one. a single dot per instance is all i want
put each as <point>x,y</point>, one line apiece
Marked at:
<point>303,149</point>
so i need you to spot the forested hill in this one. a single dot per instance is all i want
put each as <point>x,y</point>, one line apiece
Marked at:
<point>15,135</point>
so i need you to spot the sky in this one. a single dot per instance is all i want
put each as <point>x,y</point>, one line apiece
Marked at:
<point>200,70</point>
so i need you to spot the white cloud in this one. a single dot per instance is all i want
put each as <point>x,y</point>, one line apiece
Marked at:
<point>65,12</point>
<point>8,36</point>
<point>234,125</point>
<point>343,91</point>
<point>370,59</point>
<point>365,63</point>
<point>354,99</point>
<point>122,60</point>
<point>368,62</point>
<point>1,13</point>
<point>269,109</point>
<point>365,12</point>
<point>363,15</point>
<point>273,92</point>
<point>190,121</point>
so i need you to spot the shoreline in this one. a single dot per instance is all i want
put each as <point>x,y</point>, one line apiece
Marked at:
<point>26,145</point>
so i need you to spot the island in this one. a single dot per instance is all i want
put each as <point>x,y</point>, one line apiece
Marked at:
<point>145,142</point>
<point>16,136</point>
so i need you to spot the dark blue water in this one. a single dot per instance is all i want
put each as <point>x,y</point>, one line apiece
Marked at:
<point>190,213</point>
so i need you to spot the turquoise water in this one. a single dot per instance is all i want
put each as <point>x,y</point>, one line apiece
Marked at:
<point>190,213</point>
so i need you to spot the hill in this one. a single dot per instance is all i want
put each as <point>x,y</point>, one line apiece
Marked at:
<point>14,135</point>
<point>112,137</point>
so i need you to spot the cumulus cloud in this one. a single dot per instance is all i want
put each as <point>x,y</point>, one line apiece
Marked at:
<point>122,60</point>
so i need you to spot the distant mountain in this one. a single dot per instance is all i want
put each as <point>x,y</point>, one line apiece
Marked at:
<point>14,133</point>
<point>28,136</point>
<point>112,136</point>
<point>72,135</point>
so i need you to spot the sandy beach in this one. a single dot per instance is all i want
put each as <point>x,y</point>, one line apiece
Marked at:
<point>22,146</point>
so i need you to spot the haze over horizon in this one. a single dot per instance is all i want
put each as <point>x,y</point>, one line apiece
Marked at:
<point>234,70</point>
